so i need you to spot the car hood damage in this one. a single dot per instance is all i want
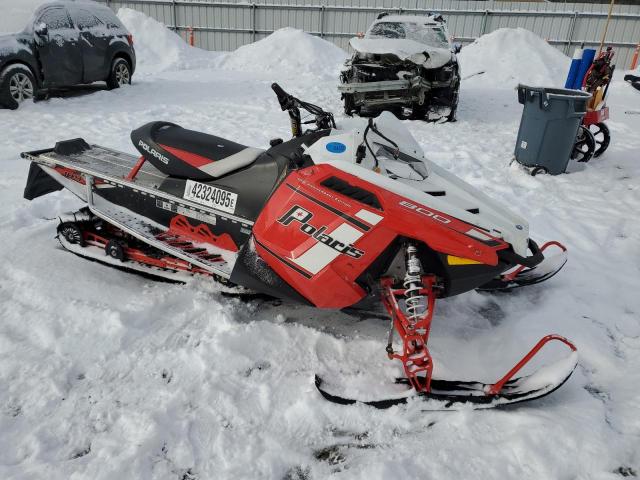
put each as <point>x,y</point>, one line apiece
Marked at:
<point>405,50</point>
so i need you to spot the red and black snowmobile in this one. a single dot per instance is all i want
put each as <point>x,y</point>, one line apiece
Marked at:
<point>334,218</point>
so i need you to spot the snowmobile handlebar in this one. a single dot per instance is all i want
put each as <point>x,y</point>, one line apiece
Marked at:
<point>283,97</point>
<point>293,105</point>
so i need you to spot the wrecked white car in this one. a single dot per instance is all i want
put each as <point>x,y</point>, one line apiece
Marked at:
<point>403,64</point>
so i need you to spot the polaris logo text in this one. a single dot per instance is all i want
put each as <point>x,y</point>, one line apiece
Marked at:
<point>424,211</point>
<point>155,153</point>
<point>302,216</point>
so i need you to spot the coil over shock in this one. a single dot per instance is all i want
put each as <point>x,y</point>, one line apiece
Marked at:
<point>414,301</point>
<point>414,322</point>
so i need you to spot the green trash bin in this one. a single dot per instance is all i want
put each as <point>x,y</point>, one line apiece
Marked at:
<point>549,125</point>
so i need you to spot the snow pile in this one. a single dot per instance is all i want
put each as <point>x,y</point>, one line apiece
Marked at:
<point>288,50</point>
<point>16,14</point>
<point>159,49</point>
<point>510,56</point>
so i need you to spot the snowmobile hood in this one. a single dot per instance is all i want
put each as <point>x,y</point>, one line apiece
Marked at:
<point>404,49</point>
<point>454,196</point>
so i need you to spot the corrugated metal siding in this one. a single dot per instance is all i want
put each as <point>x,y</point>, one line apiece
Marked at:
<point>228,24</point>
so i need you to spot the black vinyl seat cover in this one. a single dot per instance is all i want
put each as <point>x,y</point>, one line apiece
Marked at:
<point>255,184</point>
<point>187,154</point>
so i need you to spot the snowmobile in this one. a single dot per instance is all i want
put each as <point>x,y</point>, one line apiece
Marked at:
<point>334,218</point>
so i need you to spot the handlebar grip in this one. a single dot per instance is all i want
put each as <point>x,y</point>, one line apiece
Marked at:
<point>283,97</point>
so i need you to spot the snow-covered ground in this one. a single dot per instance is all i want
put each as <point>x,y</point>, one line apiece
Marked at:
<point>106,375</point>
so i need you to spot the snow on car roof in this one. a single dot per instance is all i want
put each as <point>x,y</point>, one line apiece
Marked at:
<point>71,3</point>
<point>424,19</point>
<point>16,14</point>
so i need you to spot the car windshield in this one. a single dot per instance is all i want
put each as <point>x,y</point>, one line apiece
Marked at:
<point>432,35</point>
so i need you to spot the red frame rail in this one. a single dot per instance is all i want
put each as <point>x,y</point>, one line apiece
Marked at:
<point>496,388</point>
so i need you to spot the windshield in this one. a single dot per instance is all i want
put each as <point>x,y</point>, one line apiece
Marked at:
<point>400,165</point>
<point>432,35</point>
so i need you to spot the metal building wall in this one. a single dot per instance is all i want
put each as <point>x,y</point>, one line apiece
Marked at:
<point>228,24</point>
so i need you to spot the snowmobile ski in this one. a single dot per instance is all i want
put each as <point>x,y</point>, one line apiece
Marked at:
<point>455,394</point>
<point>523,276</point>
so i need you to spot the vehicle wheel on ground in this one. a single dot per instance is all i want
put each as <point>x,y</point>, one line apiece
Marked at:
<point>17,85</point>
<point>584,146</point>
<point>537,170</point>
<point>41,95</point>
<point>454,102</point>
<point>115,250</point>
<point>602,136</point>
<point>399,112</point>
<point>71,233</point>
<point>418,112</point>
<point>120,73</point>
<point>349,105</point>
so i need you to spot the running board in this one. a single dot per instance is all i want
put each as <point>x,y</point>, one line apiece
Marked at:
<point>141,229</point>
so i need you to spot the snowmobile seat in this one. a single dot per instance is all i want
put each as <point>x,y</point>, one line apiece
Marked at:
<point>188,154</point>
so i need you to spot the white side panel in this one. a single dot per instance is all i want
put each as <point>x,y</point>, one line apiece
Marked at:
<point>321,255</point>
<point>369,217</point>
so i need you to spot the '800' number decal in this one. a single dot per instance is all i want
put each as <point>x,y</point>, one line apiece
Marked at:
<point>211,196</point>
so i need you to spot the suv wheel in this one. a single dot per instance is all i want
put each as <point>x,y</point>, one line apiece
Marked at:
<point>454,95</point>
<point>120,73</point>
<point>16,85</point>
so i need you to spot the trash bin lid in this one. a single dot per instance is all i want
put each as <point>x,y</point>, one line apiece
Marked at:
<point>552,92</point>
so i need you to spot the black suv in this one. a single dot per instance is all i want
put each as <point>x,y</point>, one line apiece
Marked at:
<point>66,43</point>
